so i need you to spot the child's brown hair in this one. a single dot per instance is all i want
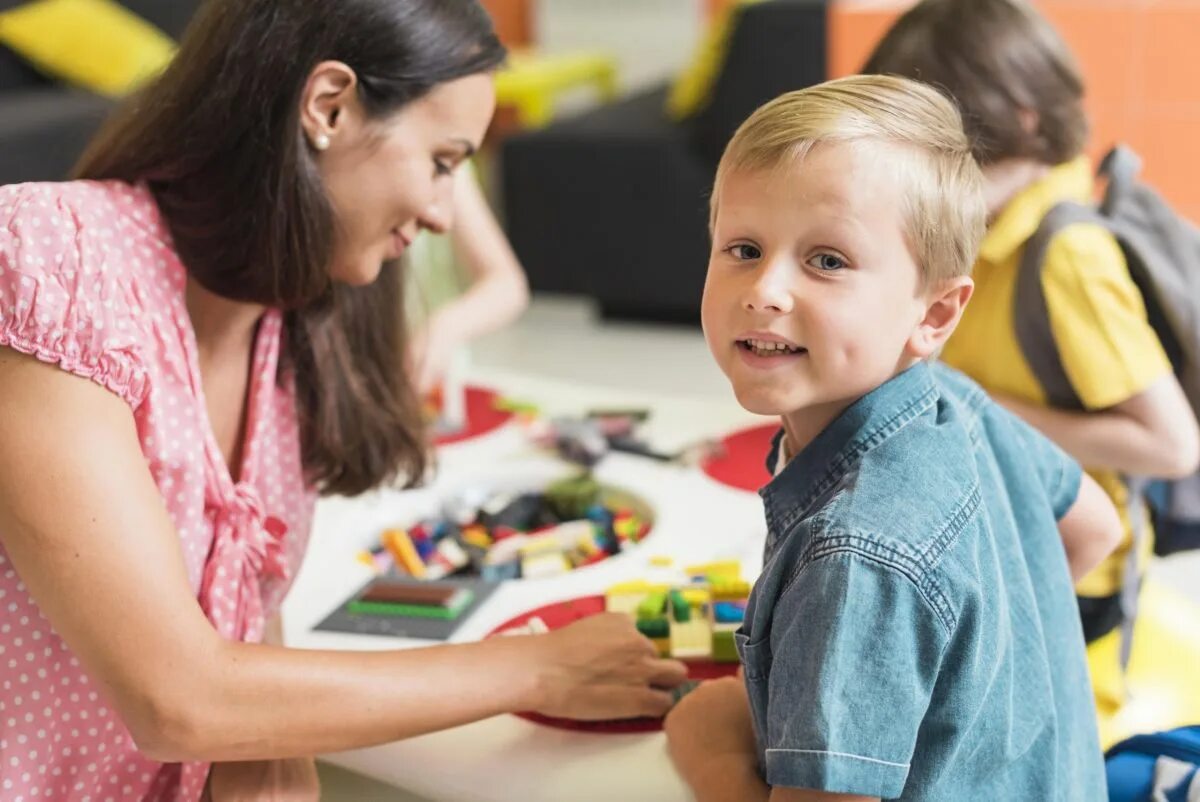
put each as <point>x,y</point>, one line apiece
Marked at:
<point>1017,84</point>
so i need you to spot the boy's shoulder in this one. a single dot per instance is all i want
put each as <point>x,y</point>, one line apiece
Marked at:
<point>912,491</point>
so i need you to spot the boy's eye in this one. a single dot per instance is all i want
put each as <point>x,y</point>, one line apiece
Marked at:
<point>827,262</point>
<point>744,252</point>
<point>441,168</point>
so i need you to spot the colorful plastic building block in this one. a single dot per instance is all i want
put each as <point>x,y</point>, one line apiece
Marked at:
<point>724,649</point>
<point>729,612</point>
<point>403,552</point>
<point>541,566</point>
<point>652,606</point>
<point>412,601</point>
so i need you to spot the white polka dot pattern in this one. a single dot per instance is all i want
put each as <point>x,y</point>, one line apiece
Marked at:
<point>89,281</point>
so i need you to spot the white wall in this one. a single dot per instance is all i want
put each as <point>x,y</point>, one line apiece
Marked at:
<point>651,39</point>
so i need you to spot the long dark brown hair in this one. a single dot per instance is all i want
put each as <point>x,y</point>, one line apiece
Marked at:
<point>219,142</point>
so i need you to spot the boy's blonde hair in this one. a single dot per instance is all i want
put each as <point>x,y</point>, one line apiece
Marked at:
<point>944,208</point>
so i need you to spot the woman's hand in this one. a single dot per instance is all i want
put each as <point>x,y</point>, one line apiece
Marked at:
<point>293,780</point>
<point>601,668</point>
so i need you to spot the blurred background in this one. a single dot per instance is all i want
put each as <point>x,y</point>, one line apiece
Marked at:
<point>613,114</point>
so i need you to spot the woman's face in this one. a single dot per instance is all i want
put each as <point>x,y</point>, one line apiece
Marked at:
<point>388,179</point>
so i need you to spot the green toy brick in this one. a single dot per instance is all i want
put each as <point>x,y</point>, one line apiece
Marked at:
<point>683,690</point>
<point>655,627</point>
<point>448,613</point>
<point>724,650</point>
<point>652,607</point>
<point>681,609</point>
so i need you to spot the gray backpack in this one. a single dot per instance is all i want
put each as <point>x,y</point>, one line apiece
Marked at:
<point>1163,253</point>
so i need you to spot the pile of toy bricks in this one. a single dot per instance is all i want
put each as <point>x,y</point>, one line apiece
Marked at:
<point>691,621</point>
<point>510,536</point>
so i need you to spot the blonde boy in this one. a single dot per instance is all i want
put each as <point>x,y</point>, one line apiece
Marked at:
<point>913,634</point>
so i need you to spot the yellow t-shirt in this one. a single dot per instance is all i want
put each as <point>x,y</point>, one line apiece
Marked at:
<point>1108,349</point>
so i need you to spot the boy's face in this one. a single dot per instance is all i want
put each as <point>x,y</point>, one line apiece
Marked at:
<point>812,298</point>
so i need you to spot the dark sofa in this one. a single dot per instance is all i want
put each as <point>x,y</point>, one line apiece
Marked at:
<point>613,204</point>
<point>44,125</point>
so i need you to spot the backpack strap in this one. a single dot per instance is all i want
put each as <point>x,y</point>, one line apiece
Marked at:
<point>1120,166</point>
<point>1036,338</point>
<point>1032,315</point>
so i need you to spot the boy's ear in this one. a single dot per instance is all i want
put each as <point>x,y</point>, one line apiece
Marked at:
<point>944,306</point>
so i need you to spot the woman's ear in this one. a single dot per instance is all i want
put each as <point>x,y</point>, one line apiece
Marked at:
<point>329,106</point>
<point>943,309</point>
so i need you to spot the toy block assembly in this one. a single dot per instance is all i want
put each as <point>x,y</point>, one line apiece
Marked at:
<point>688,621</point>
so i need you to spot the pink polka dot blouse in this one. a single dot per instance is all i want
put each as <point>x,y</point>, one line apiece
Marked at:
<point>90,282</point>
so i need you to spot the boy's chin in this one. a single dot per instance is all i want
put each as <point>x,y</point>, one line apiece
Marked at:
<point>765,403</point>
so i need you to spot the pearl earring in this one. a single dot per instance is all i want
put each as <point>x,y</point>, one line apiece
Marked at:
<point>321,142</point>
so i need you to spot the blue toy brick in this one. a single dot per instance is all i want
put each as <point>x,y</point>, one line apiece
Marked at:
<point>501,572</point>
<point>425,548</point>
<point>729,612</point>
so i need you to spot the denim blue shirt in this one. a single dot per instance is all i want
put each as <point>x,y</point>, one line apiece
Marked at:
<point>914,634</point>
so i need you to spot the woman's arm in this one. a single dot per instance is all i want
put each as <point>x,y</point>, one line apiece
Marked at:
<point>1152,434</point>
<point>85,527</point>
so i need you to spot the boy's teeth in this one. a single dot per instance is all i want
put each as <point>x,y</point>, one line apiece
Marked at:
<point>763,345</point>
<point>764,348</point>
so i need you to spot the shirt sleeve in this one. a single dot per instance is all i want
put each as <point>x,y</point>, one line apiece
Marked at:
<point>856,650</point>
<point>1057,471</point>
<point>1109,350</point>
<point>60,298</point>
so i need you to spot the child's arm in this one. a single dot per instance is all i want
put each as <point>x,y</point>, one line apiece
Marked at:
<point>1153,433</point>
<point>498,291</point>
<point>1090,530</point>
<point>711,741</point>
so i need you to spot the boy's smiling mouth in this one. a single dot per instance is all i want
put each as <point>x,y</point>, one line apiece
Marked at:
<point>768,346</point>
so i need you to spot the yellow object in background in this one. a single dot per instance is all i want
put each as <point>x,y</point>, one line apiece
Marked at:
<point>1159,691</point>
<point>531,82</point>
<point>694,86</point>
<point>96,44</point>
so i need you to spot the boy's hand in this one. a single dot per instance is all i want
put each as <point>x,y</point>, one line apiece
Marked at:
<point>710,733</point>
<point>292,780</point>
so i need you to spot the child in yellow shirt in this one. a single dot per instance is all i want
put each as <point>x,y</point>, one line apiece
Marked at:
<point>1021,95</point>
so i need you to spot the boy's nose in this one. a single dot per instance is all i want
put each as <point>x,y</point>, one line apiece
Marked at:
<point>768,292</point>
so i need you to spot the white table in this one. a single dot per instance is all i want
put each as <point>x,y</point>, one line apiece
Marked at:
<point>506,758</point>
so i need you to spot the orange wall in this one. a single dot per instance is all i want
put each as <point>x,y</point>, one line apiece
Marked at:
<point>514,20</point>
<point>1140,64</point>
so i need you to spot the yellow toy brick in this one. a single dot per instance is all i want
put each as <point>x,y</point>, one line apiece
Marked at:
<point>404,552</point>
<point>691,639</point>
<point>726,569</point>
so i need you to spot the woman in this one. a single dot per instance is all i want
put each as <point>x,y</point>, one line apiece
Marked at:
<point>195,343</point>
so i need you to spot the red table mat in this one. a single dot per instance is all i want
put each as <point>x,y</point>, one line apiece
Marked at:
<point>482,416</point>
<point>560,614</point>
<point>741,463</point>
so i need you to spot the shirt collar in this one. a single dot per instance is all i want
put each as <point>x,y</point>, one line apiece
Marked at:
<point>1070,181</point>
<point>835,451</point>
